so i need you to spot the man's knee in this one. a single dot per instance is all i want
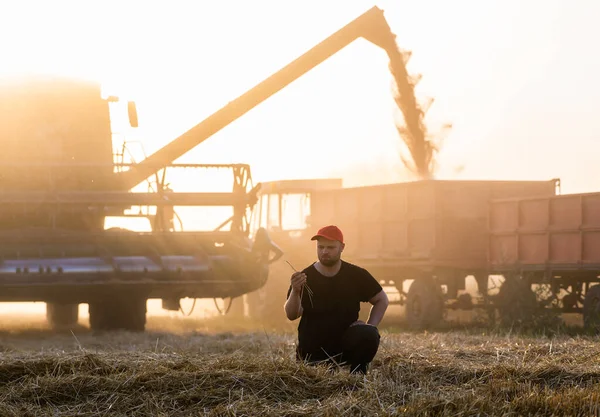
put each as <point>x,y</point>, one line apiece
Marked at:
<point>360,343</point>
<point>360,335</point>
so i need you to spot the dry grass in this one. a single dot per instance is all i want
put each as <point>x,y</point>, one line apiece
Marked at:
<point>196,367</point>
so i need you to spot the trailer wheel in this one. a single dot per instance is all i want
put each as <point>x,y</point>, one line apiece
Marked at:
<point>424,303</point>
<point>516,302</point>
<point>62,315</point>
<point>591,308</point>
<point>119,313</point>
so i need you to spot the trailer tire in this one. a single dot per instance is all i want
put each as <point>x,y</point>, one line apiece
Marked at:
<point>516,302</point>
<point>62,315</point>
<point>118,313</point>
<point>424,304</point>
<point>591,309</point>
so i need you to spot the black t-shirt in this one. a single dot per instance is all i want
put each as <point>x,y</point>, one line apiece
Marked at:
<point>333,306</point>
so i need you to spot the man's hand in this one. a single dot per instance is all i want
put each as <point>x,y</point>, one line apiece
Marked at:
<point>298,280</point>
<point>360,322</point>
<point>293,305</point>
<point>380,303</point>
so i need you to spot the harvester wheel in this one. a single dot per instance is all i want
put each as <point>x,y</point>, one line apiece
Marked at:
<point>424,303</point>
<point>591,309</point>
<point>119,313</point>
<point>62,315</point>
<point>516,302</point>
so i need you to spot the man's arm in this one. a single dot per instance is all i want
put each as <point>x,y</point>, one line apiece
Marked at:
<point>380,304</point>
<point>293,306</point>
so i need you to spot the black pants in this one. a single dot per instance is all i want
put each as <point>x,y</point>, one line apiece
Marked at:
<point>359,345</point>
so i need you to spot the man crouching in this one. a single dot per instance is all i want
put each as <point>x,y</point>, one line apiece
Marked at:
<point>327,296</point>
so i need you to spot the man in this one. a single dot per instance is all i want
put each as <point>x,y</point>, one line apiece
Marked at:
<point>327,296</point>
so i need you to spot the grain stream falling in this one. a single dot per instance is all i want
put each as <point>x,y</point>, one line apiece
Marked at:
<point>413,132</point>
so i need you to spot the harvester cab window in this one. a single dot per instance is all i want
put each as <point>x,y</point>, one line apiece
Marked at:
<point>273,213</point>
<point>259,214</point>
<point>282,212</point>
<point>295,210</point>
<point>264,204</point>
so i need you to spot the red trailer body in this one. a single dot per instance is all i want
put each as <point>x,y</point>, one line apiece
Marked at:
<point>422,224</point>
<point>551,233</point>
<point>551,241</point>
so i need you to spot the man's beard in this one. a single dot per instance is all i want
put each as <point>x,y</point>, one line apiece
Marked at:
<point>329,261</point>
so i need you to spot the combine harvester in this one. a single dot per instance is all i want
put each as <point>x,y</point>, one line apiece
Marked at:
<point>60,182</point>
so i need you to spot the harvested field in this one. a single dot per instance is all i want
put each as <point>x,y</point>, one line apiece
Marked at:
<point>211,367</point>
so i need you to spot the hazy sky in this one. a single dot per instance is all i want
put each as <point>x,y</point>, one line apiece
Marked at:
<point>516,78</point>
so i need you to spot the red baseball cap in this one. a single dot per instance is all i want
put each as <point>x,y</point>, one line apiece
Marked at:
<point>329,232</point>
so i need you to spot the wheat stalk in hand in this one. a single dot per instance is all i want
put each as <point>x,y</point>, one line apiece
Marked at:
<point>305,285</point>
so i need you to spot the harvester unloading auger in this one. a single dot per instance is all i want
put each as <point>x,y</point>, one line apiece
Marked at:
<point>371,26</point>
<point>59,183</point>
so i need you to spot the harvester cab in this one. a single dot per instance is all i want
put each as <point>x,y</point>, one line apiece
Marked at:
<point>283,208</point>
<point>132,113</point>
